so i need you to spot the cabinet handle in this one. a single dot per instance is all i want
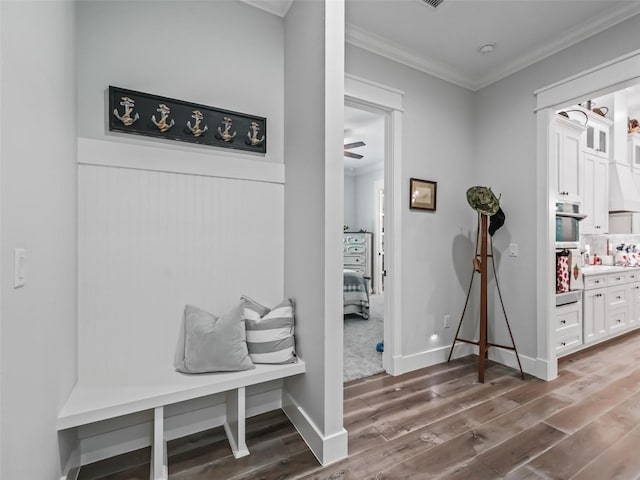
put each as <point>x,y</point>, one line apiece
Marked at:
<point>619,321</point>
<point>562,344</point>
<point>563,322</point>
<point>596,281</point>
<point>618,278</point>
<point>618,297</point>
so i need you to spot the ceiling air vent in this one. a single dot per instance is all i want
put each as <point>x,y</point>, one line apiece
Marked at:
<point>432,3</point>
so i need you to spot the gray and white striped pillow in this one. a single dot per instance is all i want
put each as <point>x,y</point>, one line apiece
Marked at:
<point>269,331</point>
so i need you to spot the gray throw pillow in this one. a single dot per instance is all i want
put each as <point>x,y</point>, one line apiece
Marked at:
<point>208,343</point>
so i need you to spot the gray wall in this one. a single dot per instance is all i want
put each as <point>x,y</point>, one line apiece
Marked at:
<point>225,54</point>
<point>365,199</point>
<point>350,215</point>
<point>437,145</point>
<point>505,158</point>
<point>38,201</point>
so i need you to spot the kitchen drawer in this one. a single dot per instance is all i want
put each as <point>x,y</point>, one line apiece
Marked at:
<point>616,278</point>
<point>568,341</point>
<point>617,320</point>
<point>568,317</point>
<point>595,281</point>
<point>617,297</point>
<point>354,260</point>
<point>353,238</point>
<point>632,276</point>
<point>354,248</point>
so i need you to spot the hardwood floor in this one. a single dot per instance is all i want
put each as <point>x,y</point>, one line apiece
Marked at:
<point>439,423</point>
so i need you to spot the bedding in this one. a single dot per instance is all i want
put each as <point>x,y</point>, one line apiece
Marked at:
<point>355,294</point>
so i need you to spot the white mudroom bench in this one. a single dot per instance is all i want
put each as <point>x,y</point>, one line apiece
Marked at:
<point>97,400</point>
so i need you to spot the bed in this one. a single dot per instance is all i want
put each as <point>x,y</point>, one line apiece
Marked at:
<point>356,294</point>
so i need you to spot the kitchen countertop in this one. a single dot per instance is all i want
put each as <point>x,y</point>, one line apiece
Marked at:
<point>602,269</point>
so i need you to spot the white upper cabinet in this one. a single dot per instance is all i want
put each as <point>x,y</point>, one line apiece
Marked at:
<point>569,157</point>
<point>596,195</point>
<point>597,138</point>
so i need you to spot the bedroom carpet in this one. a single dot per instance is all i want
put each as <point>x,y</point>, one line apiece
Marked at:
<point>360,339</point>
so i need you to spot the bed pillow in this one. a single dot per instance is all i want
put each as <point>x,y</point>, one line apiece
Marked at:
<point>208,343</point>
<point>270,331</point>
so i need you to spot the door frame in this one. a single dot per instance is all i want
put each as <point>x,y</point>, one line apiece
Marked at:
<point>605,78</point>
<point>378,189</point>
<point>387,100</point>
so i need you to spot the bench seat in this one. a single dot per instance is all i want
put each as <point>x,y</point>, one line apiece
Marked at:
<point>96,400</point>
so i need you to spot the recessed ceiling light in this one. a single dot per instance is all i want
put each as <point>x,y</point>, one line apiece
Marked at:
<point>488,48</point>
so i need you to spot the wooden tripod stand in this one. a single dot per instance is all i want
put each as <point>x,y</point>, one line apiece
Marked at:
<point>480,266</point>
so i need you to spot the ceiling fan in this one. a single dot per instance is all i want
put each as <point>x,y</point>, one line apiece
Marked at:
<point>349,146</point>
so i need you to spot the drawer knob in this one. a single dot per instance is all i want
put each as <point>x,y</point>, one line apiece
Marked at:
<point>597,281</point>
<point>618,297</point>
<point>563,343</point>
<point>563,322</point>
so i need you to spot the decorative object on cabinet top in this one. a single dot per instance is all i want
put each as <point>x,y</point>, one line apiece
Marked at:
<point>150,115</point>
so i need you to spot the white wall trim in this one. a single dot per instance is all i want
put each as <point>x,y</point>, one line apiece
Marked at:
<point>508,358</point>
<point>327,449</point>
<point>428,358</point>
<point>276,7</point>
<point>358,91</point>
<point>165,159</point>
<point>576,87</point>
<point>605,76</point>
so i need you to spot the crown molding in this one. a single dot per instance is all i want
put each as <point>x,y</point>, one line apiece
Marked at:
<point>394,51</point>
<point>574,36</point>
<point>276,7</point>
<point>411,58</point>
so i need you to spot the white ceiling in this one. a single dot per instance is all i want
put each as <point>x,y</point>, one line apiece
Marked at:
<point>444,41</point>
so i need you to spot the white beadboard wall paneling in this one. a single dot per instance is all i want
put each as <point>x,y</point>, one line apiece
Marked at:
<point>151,242</point>
<point>179,159</point>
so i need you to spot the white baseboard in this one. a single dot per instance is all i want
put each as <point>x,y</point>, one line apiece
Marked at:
<point>327,449</point>
<point>508,358</point>
<point>428,358</point>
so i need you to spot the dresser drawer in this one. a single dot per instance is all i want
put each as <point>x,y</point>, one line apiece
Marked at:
<point>355,268</point>
<point>354,260</point>
<point>353,238</point>
<point>354,248</point>
<point>595,281</point>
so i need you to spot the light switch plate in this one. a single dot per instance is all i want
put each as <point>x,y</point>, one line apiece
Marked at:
<point>19,260</point>
<point>513,249</point>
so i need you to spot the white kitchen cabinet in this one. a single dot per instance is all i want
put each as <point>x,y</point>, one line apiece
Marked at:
<point>569,159</point>
<point>568,328</point>
<point>596,195</point>
<point>598,135</point>
<point>624,222</point>
<point>617,308</point>
<point>633,297</point>
<point>633,143</point>
<point>595,314</point>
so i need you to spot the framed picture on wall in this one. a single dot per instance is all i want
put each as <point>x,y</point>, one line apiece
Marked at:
<point>422,194</point>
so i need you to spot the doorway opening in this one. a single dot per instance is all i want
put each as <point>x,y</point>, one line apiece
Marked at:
<point>364,162</point>
<point>616,78</point>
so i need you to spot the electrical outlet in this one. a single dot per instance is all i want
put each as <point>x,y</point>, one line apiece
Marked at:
<point>447,321</point>
<point>513,249</point>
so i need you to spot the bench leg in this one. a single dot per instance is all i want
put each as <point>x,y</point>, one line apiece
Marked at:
<point>159,469</point>
<point>234,424</point>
